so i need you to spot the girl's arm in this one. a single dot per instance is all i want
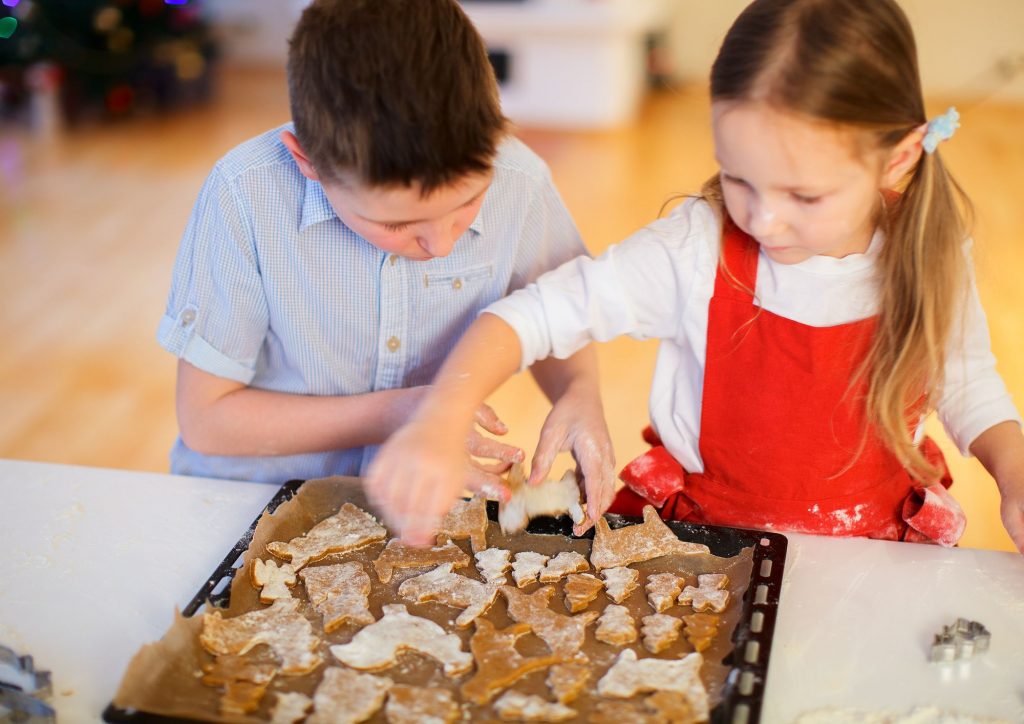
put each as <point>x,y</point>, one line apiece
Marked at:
<point>423,467</point>
<point>1001,450</point>
<point>218,416</point>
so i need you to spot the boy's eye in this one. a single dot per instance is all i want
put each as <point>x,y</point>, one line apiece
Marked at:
<point>806,199</point>
<point>395,227</point>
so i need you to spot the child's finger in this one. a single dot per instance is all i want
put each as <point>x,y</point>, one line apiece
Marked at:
<point>490,484</point>
<point>486,447</point>
<point>543,459</point>
<point>488,419</point>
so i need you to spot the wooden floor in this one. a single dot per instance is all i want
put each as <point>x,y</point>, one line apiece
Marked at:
<point>89,227</point>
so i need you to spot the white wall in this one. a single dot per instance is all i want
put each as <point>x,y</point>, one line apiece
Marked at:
<point>962,43</point>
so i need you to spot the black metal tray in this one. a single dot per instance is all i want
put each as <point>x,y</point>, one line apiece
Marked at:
<point>752,638</point>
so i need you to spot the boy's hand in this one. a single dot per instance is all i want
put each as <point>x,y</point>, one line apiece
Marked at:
<point>576,424</point>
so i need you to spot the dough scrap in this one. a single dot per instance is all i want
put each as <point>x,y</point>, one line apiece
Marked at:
<point>493,564</point>
<point>628,677</point>
<point>378,645</point>
<point>552,497</point>
<point>567,681</point>
<point>399,555</point>
<point>620,581</point>
<point>281,627</point>
<point>639,542</point>
<point>244,681</point>
<point>527,567</point>
<point>659,631</point>
<point>273,581</point>
<point>498,663</point>
<point>447,587</point>
<point>700,629</point>
<point>339,593</point>
<point>347,530</point>
<point>580,590</point>
<point>516,706</point>
<point>563,634</point>
<point>421,705</point>
<point>290,707</point>
<point>345,696</point>
<point>562,565</point>
<point>709,595</point>
<point>662,590</point>
<point>616,626</point>
<point>466,519</point>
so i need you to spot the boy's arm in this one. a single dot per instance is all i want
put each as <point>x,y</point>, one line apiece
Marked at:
<point>1001,450</point>
<point>576,424</point>
<point>423,467</point>
<point>218,416</point>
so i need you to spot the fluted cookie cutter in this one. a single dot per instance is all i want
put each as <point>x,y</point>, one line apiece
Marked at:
<point>22,690</point>
<point>963,640</point>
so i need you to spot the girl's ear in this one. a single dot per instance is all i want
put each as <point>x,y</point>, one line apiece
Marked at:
<point>305,166</point>
<point>903,157</point>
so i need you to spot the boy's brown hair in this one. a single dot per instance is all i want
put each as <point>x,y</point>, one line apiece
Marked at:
<point>393,92</point>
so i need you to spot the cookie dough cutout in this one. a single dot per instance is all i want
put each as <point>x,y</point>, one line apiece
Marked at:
<point>663,589</point>
<point>281,627</point>
<point>516,706</point>
<point>616,626</point>
<point>244,682</point>
<point>420,705</point>
<point>659,631</point>
<point>552,497</point>
<point>347,530</point>
<point>701,629</point>
<point>636,543</point>
<point>466,519</point>
<point>620,581</point>
<point>562,565</point>
<point>619,712</point>
<point>339,593</point>
<point>498,663</point>
<point>580,590</point>
<point>628,677</point>
<point>445,586</point>
<point>493,564</point>
<point>345,696</point>
<point>378,645</point>
<point>527,567</point>
<point>710,594</point>
<point>399,555</point>
<point>672,707</point>
<point>273,581</point>
<point>567,681</point>
<point>563,634</point>
<point>290,707</point>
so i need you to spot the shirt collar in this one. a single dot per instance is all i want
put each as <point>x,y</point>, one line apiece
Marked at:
<point>316,208</point>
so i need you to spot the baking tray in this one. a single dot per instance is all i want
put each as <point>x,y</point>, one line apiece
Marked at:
<point>752,637</point>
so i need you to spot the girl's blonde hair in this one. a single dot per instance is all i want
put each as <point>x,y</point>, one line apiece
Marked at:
<point>854,63</point>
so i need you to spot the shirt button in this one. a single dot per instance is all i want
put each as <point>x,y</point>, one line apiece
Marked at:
<point>393,259</point>
<point>188,317</point>
<point>394,343</point>
<point>457,284</point>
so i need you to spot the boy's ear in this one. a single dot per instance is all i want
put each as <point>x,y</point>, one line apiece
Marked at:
<point>305,166</point>
<point>903,157</point>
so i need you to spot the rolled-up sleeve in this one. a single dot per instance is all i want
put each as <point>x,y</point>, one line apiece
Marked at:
<point>216,316</point>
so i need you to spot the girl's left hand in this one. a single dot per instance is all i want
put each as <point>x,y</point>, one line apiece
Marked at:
<point>576,424</point>
<point>1011,508</point>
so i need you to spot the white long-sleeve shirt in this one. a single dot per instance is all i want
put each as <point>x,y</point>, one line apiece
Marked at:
<point>658,283</point>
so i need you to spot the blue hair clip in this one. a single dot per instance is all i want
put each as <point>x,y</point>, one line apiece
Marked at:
<point>940,128</point>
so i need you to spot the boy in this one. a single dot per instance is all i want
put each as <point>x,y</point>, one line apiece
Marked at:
<point>330,265</point>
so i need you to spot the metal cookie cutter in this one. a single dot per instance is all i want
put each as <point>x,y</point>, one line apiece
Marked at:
<point>962,640</point>
<point>22,690</point>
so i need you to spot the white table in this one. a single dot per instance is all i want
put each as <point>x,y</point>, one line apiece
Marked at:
<point>96,560</point>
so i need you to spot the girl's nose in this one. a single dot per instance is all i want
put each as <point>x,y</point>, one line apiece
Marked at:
<point>763,218</point>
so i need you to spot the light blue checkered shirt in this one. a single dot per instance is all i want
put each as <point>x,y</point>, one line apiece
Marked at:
<point>271,289</point>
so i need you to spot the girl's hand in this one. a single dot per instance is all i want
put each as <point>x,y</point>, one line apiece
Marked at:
<point>576,424</point>
<point>426,465</point>
<point>1012,510</point>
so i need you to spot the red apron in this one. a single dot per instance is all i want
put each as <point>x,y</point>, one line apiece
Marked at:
<point>782,437</point>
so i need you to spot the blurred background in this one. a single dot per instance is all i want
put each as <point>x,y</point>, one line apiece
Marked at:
<point>112,113</point>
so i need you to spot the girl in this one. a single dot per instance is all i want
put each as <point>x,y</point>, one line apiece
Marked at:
<point>814,303</point>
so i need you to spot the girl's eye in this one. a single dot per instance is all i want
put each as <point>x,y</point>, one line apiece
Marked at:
<point>733,180</point>
<point>395,227</point>
<point>806,199</point>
